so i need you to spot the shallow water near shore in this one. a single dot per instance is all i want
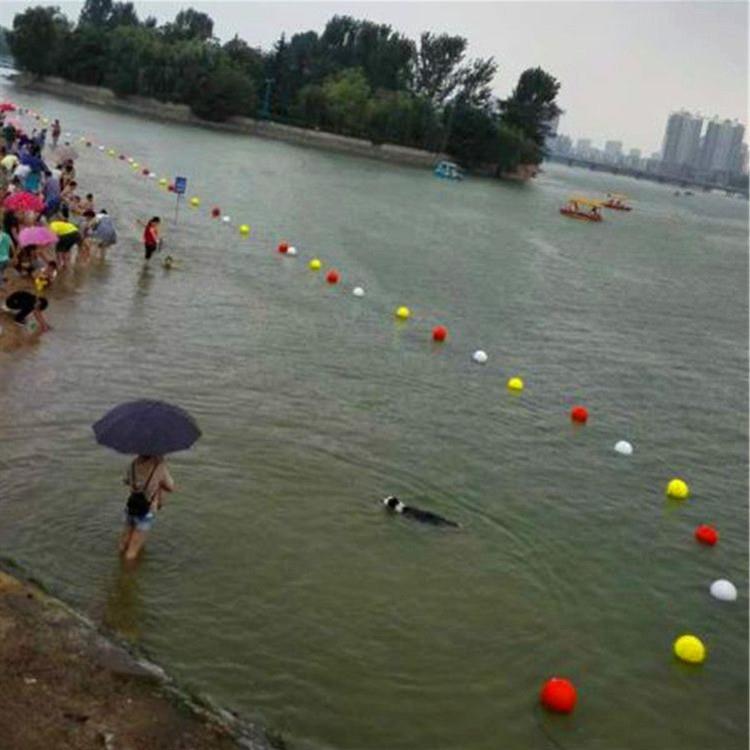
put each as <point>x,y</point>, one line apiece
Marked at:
<point>273,581</point>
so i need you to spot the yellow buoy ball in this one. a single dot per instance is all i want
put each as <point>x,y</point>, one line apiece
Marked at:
<point>678,489</point>
<point>111,152</point>
<point>515,384</point>
<point>135,165</point>
<point>403,312</point>
<point>315,265</point>
<point>164,182</point>
<point>244,230</point>
<point>195,201</point>
<point>690,648</point>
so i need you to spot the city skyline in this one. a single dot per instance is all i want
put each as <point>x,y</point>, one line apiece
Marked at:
<point>600,142</point>
<point>627,59</point>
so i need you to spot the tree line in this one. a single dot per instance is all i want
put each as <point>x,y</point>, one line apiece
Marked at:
<point>357,78</point>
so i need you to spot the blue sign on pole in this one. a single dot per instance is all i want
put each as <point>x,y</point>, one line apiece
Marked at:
<point>180,185</point>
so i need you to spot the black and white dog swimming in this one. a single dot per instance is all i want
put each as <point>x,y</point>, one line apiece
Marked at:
<point>424,516</point>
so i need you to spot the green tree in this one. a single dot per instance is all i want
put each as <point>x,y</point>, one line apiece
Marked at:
<point>346,100</point>
<point>222,93</point>
<point>311,106</point>
<point>473,137</point>
<point>190,24</point>
<point>95,13</point>
<point>532,106</point>
<point>38,38</point>
<point>437,71</point>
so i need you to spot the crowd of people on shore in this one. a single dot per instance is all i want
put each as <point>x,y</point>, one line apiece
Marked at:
<point>48,223</point>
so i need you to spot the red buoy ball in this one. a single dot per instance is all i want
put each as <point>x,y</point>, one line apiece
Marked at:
<point>579,414</point>
<point>145,171</point>
<point>706,534</point>
<point>121,157</point>
<point>88,144</point>
<point>170,188</point>
<point>439,333</point>
<point>332,277</point>
<point>215,212</point>
<point>283,247</point>
<point>558,695</point>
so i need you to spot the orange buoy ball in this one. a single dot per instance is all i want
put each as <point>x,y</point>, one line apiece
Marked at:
<point>332,277</point>
<point>579,414</point>
<point>283,247</point>
<point>439,333</point>
<point>706,534</point>
<point>215,212</point>
<point>558,695</point>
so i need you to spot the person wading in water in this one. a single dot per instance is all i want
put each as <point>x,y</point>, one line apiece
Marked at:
<point>148,478</point>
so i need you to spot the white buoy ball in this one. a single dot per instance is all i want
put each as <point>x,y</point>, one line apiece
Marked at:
<point>624,448</point>
<point>479,356</point>
<point>101,148</point>
<point>291,251</point>
<point>724,590</point>
<point>358,291</point>
<point>226,219</point>
<point>152,175</point>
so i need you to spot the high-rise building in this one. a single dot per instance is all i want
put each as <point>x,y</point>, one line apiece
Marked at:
<point>613,151</point>
<point>681,145</point>
<point>583,147</point>
<point>721,151</point>
<point>744,156</point>
<point>634,158</point>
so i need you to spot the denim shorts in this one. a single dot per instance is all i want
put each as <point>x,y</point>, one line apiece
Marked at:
<point>140,523</point>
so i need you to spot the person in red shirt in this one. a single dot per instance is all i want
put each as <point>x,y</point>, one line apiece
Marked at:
<point>151,237</point>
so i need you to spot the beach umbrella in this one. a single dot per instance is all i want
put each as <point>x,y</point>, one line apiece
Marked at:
<point>36,236</point>
<point>7,107</point>
<point>147,428</point>
<point>65,153</point>
<point>24,202</point>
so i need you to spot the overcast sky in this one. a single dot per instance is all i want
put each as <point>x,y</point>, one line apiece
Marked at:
<point>623,66</point>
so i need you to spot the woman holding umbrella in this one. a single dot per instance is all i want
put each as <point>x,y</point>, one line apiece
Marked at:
<point>150,429</point>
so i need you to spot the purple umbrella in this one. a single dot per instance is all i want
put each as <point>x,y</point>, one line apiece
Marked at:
<point>147,428</point>
<point>36,164</point>
<point>36,236</point>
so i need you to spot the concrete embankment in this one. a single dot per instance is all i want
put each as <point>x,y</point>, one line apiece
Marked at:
<point>65,686</point>
<point>180,113</point>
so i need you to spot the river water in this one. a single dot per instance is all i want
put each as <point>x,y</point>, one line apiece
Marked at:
<point>274,582</point>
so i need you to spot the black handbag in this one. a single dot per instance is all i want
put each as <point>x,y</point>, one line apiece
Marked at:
<point>138,504</point>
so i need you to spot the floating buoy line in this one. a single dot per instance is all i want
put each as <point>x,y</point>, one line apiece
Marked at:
<point>558,695</point>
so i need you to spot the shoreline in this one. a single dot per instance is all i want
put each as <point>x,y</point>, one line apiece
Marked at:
<point>389,153</point>
<point>79,687</point>
<point>181,114</point>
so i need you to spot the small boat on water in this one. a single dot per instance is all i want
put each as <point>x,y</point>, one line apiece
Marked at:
<point>448,170</point>
<point>616,201</point>
<point>576,209</point>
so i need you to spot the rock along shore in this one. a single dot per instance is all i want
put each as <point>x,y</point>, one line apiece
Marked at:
<point>64,685</point>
